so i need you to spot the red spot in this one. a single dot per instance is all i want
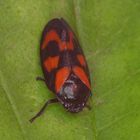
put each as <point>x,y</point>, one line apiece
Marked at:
<point>51,63</point>
<point>67,45</point>
<point>51,36</point>
<point>70,44</point>
<point>61,77</point>
<point>81,59</point>
<point>82,76</point>
<point>63,45</point>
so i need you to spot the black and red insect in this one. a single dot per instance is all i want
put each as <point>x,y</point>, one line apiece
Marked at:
<point>64,66</point>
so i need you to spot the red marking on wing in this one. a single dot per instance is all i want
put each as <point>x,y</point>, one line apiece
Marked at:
<point>81,59</point>
<point>52,35</point>
<point>51,63</point>
<point>61,77</point>
<point>63,45</point>
<point>70,45</point>
<point>82,76</point>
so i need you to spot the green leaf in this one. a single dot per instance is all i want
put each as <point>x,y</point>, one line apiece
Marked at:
<point>109,33</point>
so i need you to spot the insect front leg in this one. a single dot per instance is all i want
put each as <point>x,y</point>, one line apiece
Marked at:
<point>40,79</point>
<point>55,100</point>
<point>88,106</point>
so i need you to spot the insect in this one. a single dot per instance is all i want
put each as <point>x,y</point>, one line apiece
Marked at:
<point>64,66</point>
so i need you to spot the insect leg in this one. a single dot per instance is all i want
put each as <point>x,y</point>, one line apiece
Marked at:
<point>88,106</point>
<point>40,79</point>
<point>43,108</point>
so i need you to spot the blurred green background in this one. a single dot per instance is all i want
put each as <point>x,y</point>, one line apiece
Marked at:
<point>109,33</point>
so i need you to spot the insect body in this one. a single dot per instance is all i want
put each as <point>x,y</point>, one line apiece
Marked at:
<point>64,67</point>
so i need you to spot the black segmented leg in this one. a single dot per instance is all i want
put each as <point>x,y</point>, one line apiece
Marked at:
<point>88,106</point>
<point>55,100</point>
<point>40,79</point>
